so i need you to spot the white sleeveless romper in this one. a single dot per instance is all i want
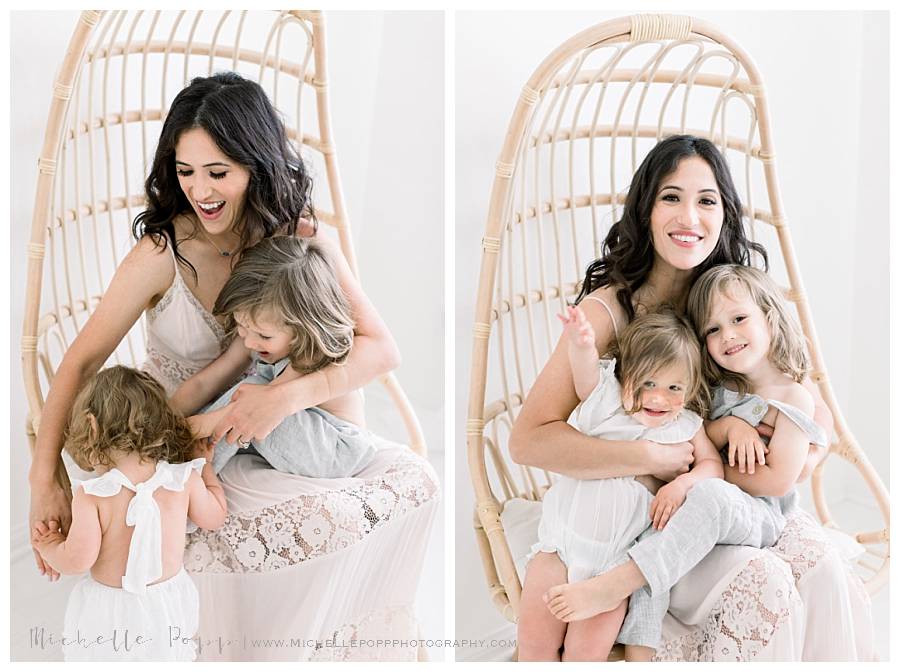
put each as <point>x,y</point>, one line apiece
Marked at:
<point>139,621</point>
<point>591,524</point>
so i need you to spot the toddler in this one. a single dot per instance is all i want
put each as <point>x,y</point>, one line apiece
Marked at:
<point>128,524</point>
<point>642,393</point>
<point>285,305</point>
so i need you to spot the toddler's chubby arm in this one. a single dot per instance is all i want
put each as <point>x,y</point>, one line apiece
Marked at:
<point>583,357</point>
<point>76,553</point>
<point>201,388</point>
<point>206,498</point>
<point>707,464</point>
<point>788,450</point>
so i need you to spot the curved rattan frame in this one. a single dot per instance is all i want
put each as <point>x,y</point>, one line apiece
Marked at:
<point>115,38</point>
<point>505,217</point>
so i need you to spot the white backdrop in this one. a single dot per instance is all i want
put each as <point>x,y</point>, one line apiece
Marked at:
<point>387,100</point>
<point>826,76</point>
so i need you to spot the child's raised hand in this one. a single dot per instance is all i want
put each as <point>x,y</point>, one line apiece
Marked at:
<point>745,447</point>
<point>668,500</point>
<point>577,328</point>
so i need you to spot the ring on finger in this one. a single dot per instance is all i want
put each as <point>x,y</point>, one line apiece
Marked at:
<point>242,444</point>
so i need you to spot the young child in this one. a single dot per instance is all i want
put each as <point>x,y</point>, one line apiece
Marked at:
<point>753,352</point>
<point>291,318</point>
<point>128,524</point>
<point>587,525</point>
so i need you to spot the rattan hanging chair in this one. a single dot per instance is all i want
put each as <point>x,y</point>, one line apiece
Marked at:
<point>120,74</point>
<point>583,122</point>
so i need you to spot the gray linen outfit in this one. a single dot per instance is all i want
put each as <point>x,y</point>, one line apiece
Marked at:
<point>714,512</point>
<point>312,442</point>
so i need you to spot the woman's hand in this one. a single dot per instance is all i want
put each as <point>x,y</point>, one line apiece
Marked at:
<point>254,411</point>
<point>52,509</point>
<point>746,447</point>
<point>668,500</point>
<point>669,460</point>
<point>305,228</point>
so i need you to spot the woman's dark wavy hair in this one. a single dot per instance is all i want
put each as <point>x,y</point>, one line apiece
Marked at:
<point>627,252</point>
<point>241,121</point>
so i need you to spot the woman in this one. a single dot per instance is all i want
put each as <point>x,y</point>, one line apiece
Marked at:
<point>797,600</point>
<point>224,176</point>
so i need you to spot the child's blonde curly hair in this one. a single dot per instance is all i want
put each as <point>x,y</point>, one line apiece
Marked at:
<point>125,410</point>
<point>291,280</point>
<point>653,342</point>
<point>787,348</point>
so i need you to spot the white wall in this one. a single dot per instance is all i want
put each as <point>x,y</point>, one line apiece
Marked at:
<point>826,78</point>
<point>386,86</point>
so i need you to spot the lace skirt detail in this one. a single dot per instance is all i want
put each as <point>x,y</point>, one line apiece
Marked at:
<point>798,600</point>
<point>301,559</point>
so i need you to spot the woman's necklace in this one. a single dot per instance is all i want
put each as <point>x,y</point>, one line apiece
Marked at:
<point>222,253</point>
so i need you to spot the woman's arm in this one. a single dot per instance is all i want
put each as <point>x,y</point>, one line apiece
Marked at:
<point>824,419</point>
<point>256,410</point>
<point>146,272</point>
<point>204,386</point>
<point>788,449</point>
<point>542,438</point>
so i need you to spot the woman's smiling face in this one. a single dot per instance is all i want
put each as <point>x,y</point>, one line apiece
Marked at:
<point>687,215</point>
<point>214,184</point>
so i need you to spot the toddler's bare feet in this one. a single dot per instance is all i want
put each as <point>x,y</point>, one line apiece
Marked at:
<point>577,601</point>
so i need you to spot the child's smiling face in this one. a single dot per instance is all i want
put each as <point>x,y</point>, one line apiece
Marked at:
<point>662,395</point>
<point>269,338</point>
<point>737,333</point>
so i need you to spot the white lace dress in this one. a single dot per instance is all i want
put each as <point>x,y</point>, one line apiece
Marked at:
<point>156,618</point>
<point>303,568</point>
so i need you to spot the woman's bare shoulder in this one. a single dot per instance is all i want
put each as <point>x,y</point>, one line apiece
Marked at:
<point>599,315</point>
<point>150,263</point>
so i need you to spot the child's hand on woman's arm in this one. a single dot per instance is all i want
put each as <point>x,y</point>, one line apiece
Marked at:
<point>672,495</point>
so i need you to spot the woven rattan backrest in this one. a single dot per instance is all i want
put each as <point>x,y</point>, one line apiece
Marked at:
<point>113,90</point>
<point>582,125</point>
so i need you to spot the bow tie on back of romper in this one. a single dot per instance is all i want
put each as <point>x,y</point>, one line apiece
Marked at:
<point>182,335</point>
<point>144,565</point>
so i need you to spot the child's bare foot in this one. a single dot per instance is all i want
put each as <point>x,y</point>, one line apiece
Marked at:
<point>577,601</point>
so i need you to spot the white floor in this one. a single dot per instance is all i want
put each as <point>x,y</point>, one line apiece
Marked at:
<point>493,627</point>
<point>35,603</point>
